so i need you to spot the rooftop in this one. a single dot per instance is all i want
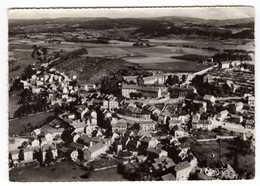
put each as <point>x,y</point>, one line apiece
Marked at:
<point>182,165</point>
<point>168,177</point>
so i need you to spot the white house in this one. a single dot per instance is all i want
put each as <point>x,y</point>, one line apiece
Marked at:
<point>251,101</point>
<point>28,155</point>
<point>209,98</point>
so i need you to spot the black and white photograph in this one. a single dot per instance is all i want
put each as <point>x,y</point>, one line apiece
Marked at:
<point>131,94</point>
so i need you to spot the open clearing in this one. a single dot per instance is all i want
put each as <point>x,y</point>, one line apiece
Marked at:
<point>63,171</point>
<point>180,66</point>
<point>17,125</point>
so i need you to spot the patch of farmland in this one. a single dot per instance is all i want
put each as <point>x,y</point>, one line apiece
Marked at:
<point>180,66</point>
<point>106,51</point>
<point>63,171</point>
<point>152,60</point>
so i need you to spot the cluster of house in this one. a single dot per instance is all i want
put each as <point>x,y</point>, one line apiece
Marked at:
<point>152,86</point>
<point>33,149</point>
<point>238,64</point>
<point>162,155</point>
<point>233,115</point>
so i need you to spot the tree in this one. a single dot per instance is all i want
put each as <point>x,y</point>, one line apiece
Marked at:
<point>169,80</point>
<point>66,135</point>
<point>49,156</point>
<point>21,155</point>
<point>183,78</point>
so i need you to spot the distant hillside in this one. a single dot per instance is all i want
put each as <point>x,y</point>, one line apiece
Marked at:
<point>141,27</point>
<point>92,70</point>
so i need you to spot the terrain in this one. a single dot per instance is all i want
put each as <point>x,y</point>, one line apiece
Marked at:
<point>176,44</point>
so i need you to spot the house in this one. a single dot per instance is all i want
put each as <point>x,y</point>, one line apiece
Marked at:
<point>136,112</point>
<point>76,137</point>
<point>182,170</point>
<point>182,92</point>
<point>85,140</point>
<point>236,107</point>
<point>118,125</point>
<point>96,140</point>
<point>183,117</point>
<point>222,115</point>
<point>229,173</point>
<point>130,79</point>
<point>141,158</point>
<point>89,129</point>
<point>81,111</point>
<point>90,87</point>
<point>156,153</point>
<point>78,125</point>
<point>147,125</point>
<point>229,86</point>
<point>49,137</point>
<point>168,177</point>
<point>224,65</point>
<point>195,118</point>
<point>50,147</point>
<point>93,117</point>
<point>117,145</point>
<point>71,116</point>
<point>153,142</point>
<point>145,142</point>
<point>179,132</point>
<point>236,119</point>
<point>208,78</point>
<point>251,101</point>
<point>14,154</point>
<point>209,98</point>
<point>155,79</point>
<point>249,124</point>
<point>95,151</point>
<point>111,104</point>
<point>35,143</point>
<point>28,154</point>
<point>36,132</point>
<point>235,63</point>
<point>202,110</point>
<point>145,91</point>
<point>77,146</point>
<point>202,124</point>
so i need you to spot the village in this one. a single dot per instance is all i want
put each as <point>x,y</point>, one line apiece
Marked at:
<point>149,131</point>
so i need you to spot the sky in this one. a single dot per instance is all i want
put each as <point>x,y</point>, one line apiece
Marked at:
<point>219,13</point>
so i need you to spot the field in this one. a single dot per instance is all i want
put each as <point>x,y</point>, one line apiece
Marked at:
<point>64,171</point>
<point>17,125</point>
<point>180,66</point>
<point>13,104</point>
<point>23,58</point>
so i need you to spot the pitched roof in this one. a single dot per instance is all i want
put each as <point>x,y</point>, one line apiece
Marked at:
<point>84,139</point>
<point>155,166</point>
<point>46,147</point>
<point>96,147</point>
<point>77,145</point>
<point>182,165</point>
<point>208,97</point>
<point>78,124</point>
<point>250,122</point>
<point>168,177</point>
